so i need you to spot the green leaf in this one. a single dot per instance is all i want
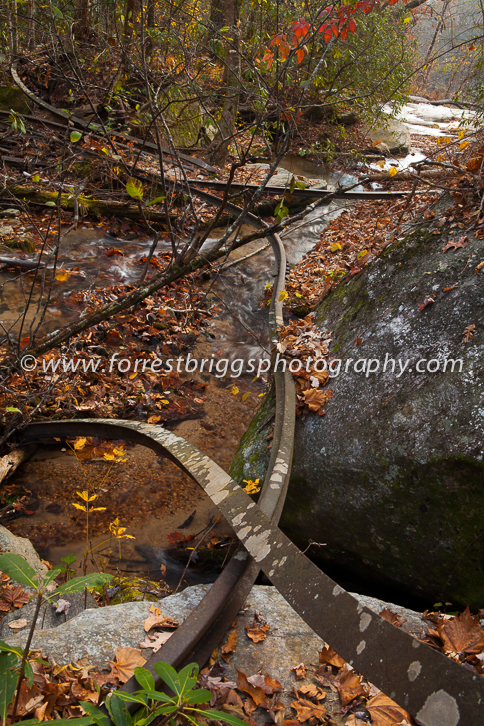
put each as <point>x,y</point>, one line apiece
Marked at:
<point>79,583</point>
<point>18,569</point>
<point>50,204</point>
<point>300,185</point>
<point>221,716</point>
<point>52,575</point>
<point>36,178</point>
<point>119,711</point>
<point>83,721</point>
<point>8,682</point>
<point>69,559</point>
<point>57,12</point>
<point>156,201</point>
<point>133,698</point>
<point>134,188</point>
<point>157,695</point>
<point>13,410</point>
<point>188,677</point>
<point>75,136</point>
<point>11,649</point>
<point>169,676</point>
<point>292,184</point>
<point>200,695</point>
<point>145,679</point>
<point>29,674</point>
<point>98,716</point>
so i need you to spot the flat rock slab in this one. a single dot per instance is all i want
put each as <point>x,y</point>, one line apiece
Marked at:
<point>97,633</point>
<point>394,134</point>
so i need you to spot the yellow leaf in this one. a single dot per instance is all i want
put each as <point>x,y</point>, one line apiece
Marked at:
<point>98,509</point>
<point>245,397</point>
<point>461,134</point>
<point>261,394</point>
<point>133,375</point>
<point>234,390</point>
<point>335,247</point>
<point>446,140</point>
<point>381,164</point>
<point>283,295</point>
<point>79,444</point>
<point>154,419</point>
<point>84,495</point>
<point>463,146</point>
<point>163,400</point>
<point>78,506</point>
<point>392,170</point>
<point>109,457</point>
<point>62,275</point>
<point>362,253</point>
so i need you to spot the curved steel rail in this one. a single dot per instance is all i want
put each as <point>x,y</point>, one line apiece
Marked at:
<point>434,689</point>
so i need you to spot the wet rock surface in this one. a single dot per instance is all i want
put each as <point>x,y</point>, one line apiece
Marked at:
<point>392,477</point>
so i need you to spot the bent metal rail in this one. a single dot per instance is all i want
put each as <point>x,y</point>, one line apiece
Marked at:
<point>433,688</point>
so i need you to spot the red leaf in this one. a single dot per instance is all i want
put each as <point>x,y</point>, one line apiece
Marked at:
<point>352,26</point>
<point>300,55</point>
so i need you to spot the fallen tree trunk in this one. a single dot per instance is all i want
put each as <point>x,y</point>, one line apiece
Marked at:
<point>410,176</point>
<point>10,462</point>
<point>97,207</point>
<point>15,262</point>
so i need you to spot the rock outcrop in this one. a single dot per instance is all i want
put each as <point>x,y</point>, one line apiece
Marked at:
<point>392,477</point>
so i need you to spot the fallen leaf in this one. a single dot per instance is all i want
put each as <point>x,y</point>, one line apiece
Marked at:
<point>469,333</point>
<point>160,621</point>
<point>315,398</point>
<point>155,641</point>
<point>306,710</point>
<point>269,685</point>
<point>18,624</point>
<point>350,687</point>
<point>330,656</point>
<point>392,618</point>
<point>229,645</point>
<point>454,244</point>
<point>313,691</point>
<point>427,301</point>
<point>258,695</point>
<point>385,712</point>
<point>299,671</point>
<point>257,632</point>
<point>462,634</point>
<point>14,596</point>
<point>127,659</point>
<point>479,267</point>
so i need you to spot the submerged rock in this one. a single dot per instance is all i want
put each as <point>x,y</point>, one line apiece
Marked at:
<point>392,477</point>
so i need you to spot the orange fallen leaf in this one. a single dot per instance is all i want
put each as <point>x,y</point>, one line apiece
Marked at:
<point>462,634</point>
<point>385,712</point>
<point>306,710</point>
<point>350,687</point>
<point>330,656</point>
<point>229,645</point>
<point>127,659</point>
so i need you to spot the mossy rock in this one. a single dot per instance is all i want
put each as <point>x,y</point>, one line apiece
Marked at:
<point>392,477</point>
<point>133,589</point>
<point>26,244</point>
<point>12,98</point>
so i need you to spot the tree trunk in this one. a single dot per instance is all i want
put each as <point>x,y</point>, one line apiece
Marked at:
<point>30,38</point>
<point>220,145</point>
<point>12,28</point>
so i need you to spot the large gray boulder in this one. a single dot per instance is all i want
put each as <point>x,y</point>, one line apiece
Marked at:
<point>392,477</point>
<point>394,134</point>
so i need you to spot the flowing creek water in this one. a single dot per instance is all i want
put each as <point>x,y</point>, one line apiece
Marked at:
<point>149,495</point>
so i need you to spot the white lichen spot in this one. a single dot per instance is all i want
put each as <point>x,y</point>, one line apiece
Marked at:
<point>415,644</point>
<point>238,519</point>
<point>252,504</point>
<point>244,532</point>
<point>365,620</point>
<point>271,573</point>
<point>413,670</point>
<point>361,647</point>
<point>258,546</point>
<point>276,477</point>
<point>256,529</point>
<point>282,561</point>
<point>316,596</point>
<point>279,544</point>
<point>440,709</point>
<point>275,486</point>
<point>274,564</point>
<point>337,590</point>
